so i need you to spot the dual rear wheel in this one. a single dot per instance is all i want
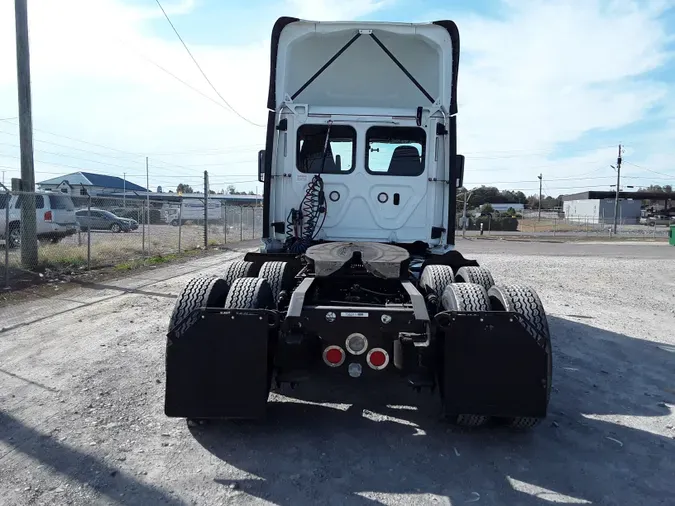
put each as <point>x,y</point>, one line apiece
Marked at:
<point>473,289</point>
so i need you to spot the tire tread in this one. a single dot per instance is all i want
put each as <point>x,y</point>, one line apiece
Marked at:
<point>478,275</point>
<point>194,295</point>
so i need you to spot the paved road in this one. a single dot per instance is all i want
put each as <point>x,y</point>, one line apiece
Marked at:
<point>600,248</point>
<point>81,396</point>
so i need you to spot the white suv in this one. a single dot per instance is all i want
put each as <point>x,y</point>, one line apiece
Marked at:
<point>54,213</point>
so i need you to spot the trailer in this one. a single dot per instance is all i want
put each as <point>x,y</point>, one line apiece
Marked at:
<point>358,278</point>
<point>192,209</point>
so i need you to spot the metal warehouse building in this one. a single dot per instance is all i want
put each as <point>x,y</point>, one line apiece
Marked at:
<point>598,206</point>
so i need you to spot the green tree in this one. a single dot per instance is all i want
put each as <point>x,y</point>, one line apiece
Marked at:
<point>487,208</point>
<point>184,188</point>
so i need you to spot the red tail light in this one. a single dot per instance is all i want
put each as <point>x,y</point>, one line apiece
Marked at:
<point>48,216</point>
<point>377,358</point>
<point>334,356</point>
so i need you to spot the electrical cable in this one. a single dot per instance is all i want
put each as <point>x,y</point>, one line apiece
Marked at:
<point>202,72</point>
<point>313,204</point>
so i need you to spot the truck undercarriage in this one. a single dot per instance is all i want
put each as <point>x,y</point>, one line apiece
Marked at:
<point>358,310</point>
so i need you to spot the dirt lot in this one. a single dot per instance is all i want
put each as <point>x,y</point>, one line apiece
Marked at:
<point>81,404</point>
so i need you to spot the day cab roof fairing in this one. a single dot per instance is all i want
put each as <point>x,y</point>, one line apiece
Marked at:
<point>370,64</point>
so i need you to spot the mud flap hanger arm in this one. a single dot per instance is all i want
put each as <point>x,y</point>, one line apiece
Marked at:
<point>345,47</point>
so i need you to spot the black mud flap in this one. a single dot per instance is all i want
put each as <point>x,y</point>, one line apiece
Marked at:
<point>495,363</point>
<point>219,367</point>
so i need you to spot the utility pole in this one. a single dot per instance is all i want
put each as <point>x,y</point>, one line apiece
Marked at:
<point>206,209</point>
<point>124,195</point>
<point>618,187</point>
<point>540,183</point>
<point>29,250</point>
<point>467,195</point>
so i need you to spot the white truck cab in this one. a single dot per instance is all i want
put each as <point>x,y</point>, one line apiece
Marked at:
<point>361,136</point>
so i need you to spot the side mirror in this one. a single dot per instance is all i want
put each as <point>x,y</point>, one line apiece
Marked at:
<point>261,165</point>
<point>338,162</point>
<point>459,170</point>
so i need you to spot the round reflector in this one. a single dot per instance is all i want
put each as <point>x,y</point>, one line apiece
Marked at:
<point>334,356</point>
<point>377,358</point>
<point>356,344</point>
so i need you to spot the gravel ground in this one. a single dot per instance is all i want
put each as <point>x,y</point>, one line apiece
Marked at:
<point>81,404</point>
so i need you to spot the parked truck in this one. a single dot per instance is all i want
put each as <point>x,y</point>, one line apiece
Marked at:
<point>192,210</point>
<point>358,278</point>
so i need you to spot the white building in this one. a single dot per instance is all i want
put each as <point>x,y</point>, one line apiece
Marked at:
<point>598,207</point>
<point>89,183</point>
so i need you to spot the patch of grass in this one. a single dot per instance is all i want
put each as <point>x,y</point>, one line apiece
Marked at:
<point>72,257</point>
<point>137,263</point>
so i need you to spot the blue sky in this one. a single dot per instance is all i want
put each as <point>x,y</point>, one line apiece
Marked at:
<point>545,87</point>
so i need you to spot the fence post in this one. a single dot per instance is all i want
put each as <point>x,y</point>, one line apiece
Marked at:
<point>241,223</point>
<point>143,220</point>
<point>89,234</point>
<point>180,223</point>
<point>555,226</point>
<point>253,230</point>
<point>225,225</point>
<point>206,223</point>
<point>148,215</point>
<point>9,197</point>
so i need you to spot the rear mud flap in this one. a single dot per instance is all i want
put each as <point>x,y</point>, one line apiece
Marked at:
<point>493,363</point>
<point>219,367</point>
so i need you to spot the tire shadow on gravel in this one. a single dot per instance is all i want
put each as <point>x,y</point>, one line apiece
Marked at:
<point>76,467</point>
<point>362,444</point>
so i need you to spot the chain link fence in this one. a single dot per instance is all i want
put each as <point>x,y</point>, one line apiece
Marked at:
<point>79,233</point>
<point>556,226</point>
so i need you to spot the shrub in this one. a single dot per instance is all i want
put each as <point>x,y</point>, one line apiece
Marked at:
<point>501,223</point>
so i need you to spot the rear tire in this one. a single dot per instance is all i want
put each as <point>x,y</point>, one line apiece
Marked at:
<point>525,301</point>
<point>478,275</point>
<point>249,293</point>
<point>199,292</point>
<point>466,297</point>
<point>253,293</point>
<point>434,279</point>
<point>279,275</point>
<point>237,269</point>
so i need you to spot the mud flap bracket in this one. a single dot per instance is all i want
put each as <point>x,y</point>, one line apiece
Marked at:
<point>219,367</point>
<point>494,363</point>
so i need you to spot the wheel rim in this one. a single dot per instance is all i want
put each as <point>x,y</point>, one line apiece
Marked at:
<point>15,236</point>
<point>115,227</point>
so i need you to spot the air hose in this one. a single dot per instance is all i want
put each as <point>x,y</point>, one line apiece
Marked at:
<point>313,204</point>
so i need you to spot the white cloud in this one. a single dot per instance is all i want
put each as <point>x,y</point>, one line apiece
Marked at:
<point>334,10</point>
<point>550,73</point>
<point>547,74</point>
<point>91,80</point>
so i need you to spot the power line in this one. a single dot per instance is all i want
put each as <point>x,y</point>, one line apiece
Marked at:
<point>648,170</point>
<point>540,151</point>
<point>106,147</point>
<point>219,104</point>
<point>200,68</point>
